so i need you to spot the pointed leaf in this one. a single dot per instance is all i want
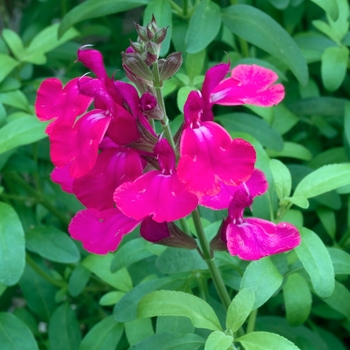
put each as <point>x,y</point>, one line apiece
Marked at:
<point>171,303</point>
<point>7,64</point>
<point>282,178</point>
<point>264,32</point>
<point>317,262</point>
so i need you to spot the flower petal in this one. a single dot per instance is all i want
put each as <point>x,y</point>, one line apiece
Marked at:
<point>100,232</point>
<point>209,156</point>
<point>249,85</point>
<point>113,167</point>
<point>62,177</point>
<point>162,196</point>
<point>255,238</point>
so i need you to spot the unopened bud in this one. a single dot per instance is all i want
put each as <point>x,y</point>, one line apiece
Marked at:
<point>141,31</point>
<point>150,107</point>
<point>150,58</point>
<point>160,35</point>
<point>137,66</point>
<point>150,34</point>
<point>137,47</point>
<point>170,66</point>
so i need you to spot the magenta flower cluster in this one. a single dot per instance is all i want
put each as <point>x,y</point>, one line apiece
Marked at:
<point>125,174</point>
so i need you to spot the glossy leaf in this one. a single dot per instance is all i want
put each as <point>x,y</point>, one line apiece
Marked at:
<point>240,308</point>
<point>297,299</point>
<point>263,278</point>
<point>12,250</point>
<point>92,9</point>
<point>104,335</point>
<point>52,244</point>
<point>218,341</point>
<point>316,260</point>
<point>265,340</point>
<point>14,334</point>
<point>261,30</point>
<point>171,303</point>
<point>204,25</point>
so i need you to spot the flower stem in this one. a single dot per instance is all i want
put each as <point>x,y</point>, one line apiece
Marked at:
<point>208,257</point>
<point>251,321</point>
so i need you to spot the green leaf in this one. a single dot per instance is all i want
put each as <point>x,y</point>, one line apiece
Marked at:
<point>297,299</point>
<point>125,310</point>
<point>329,6</point>
<point>284,119</point>
<point>64,332</point>
<point>218,341</point>
<point>240,308</point>
<point>78,280</point>
<point>324,179</point>
<point>255,126</point>
<point>291,150</point>
<point>92,9</point>
<point>347,121</point>
<point>182,95</point>
<point>330,156</point>
<point>100,266</point>
<point>14,334</point>
<point>104,335</point>
<point>111,298</point>
<point>162,12</point>
<point>19,132</point>
<point>204,26</point>
<point>171,303</point>
<point>333,66</point>
<point>38,293</point>
<point>194,63</point>
<point>282,178</point>
<point>12,250</point>
<point>263,278</point>
<point>176,260</point>
<point>340,261</point>
<point>52,244</point>
<point>7,64</point>
<point>138,329</point>
<point>280,4</point>
<point>265,340</point>
<point>14,42</point>
<point>339,300</point>
<point>131,252</point>
<point>261,30</point>
<point>170,341</point>
<point>316,260</point>
<point>327,218</point>
<point>177,324</point>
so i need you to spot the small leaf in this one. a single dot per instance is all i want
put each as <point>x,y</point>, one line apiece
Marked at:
<point>64,332</point>
<point>14,334</point>
<point>316,260</point>
<point>131,252</point>
<point>18,100</point>
<point>261,30</point>
<point>297,299</point>
<point>78,280</point>
<point>265,340</point>
<point>111,298</point>
<point>218,341</point>
<point>52,244</point>
<point>340,261</point>
<point>162,12</point>
<point>104,335</point>
<point>92,9</point>
<point>339,300</point>
<point>14,42</point>
<point>204,26</point>
<point>12,250</point>
<point>7,64</point>
<point>282,178</point>
<point>328,220</point>
<point>324,179</point>
<point>100,266</point>
<point>171,303</point>
<point>291,150</point>
<point>280,4</point>
<point>329,6</point>
<point>240,308</point>
<point>263,278</point>
<point>333,66</point>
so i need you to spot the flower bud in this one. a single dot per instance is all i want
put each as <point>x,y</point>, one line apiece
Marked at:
<point>135,65</point>
<point>170,66</point>
<point>137,47</point>
<point>142,32</point>
<point>160,35</point>
<point>150,107</point>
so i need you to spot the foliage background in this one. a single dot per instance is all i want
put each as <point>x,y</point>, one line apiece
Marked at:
<point>54,295</point>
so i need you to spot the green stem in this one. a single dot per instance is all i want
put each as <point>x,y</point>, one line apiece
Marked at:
<point>178,10</point>
<point>165,121</point>
<point>42,273</point>
<point>251,321</point>
<point>185,7</point>
<point>208,257</point>
<point>244,47</point>
<point>184,226</point>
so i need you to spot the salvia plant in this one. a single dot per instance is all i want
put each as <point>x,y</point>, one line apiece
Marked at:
<point>180,184</point>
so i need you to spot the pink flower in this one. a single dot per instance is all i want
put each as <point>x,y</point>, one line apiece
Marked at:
<point>253,238</point>
<point>157,193</point>
<point>208,155</point>
<point>247,85</point>
<point>100,231</point>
